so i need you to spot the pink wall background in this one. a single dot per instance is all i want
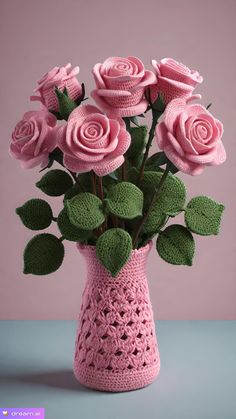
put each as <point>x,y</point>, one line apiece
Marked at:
<point>34,37</point>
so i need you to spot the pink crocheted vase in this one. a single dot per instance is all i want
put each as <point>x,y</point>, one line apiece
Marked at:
<point>116,345</point>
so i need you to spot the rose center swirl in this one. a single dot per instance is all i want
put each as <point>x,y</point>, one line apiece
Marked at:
<point>24,130</point>
<point>122,68</point>
<point>91,131</point>
<point>201,131</point>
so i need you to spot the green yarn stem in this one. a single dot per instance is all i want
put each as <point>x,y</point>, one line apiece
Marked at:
<point>123,167</point>
<point>100,188</point>
<point>101,196</point>
<point>93,175</point>
<point>154,199</point>
<point>123,171</point>
<point>73,175</point>
<point>80,184</point>
<point>97,231</point>
<point>77,180</point>
<point>127,123</point>
<point>155,117</point>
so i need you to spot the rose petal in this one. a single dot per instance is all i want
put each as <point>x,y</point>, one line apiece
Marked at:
<point>175,144</point>
<point>124,140</point>
<point>121,121</point>
<point>173,109</point>
<point>161,135</point>
<point>34,98</point>
<point>29,146</point>
<point>35,161</point>
<point>138,63</point>
<point>77,150</point>
<point>194,97</point>
<point>112,144</point>
<point>99,121</point>
<point>122,73</point>
<point>61,139</point>
<point>172,69</point>
<point>79,114</point>
<point>220,127</point>
<point>172,89</point>
<point>203,158</point>
<point>76,165</point>
<point>183,164</point>
<point>97,76</point>
<point>196,109</point>
<point>156,67</point>
<point>220,155</point>
<point>148,79</point>
<point>120,112</point>
<point>183,137</point>
<point>112,93</point>
<point>108,166</point>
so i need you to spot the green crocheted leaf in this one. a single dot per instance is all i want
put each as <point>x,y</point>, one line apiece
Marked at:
<point>159,104</point>
<point>65,103</point>
<point>43,255</point>
<point>113,175</point>
<point>172,196</point>
<point>35,214</point>
<point>109,180</point>
<point>203,215</point>
<point>85,179</point>
<point>84,184</point>
<point>155,161</point>
<point>55,182</point>
<point>154,221</point>
<point>172,168</point>
<point>113,249</point>
<point>125,200</point>
<point>138,142</point>
<point>159,159</point>
<point>69,231</point>
<point>72,192</point>
<point>170,201</point>
<point>132,175</point>
<point>55,155</point>
<point>85,211</point>
<point>176,245</point>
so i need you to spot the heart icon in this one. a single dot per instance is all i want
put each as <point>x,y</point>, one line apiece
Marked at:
<point>5,413</point>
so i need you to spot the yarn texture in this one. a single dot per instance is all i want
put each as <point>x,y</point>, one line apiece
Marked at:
<point>116,346</point>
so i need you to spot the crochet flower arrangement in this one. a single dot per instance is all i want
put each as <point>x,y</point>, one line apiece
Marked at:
<point>115,195</point>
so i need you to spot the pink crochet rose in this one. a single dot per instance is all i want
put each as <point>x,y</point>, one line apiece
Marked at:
<point>61,77</point>
<point>120,86</point>
<point>174,80</point>
<point>33,139</point>
<point>92,141</point>
<point>190,137</point>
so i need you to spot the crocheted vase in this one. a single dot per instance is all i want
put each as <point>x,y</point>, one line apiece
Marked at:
<point>116,345</point>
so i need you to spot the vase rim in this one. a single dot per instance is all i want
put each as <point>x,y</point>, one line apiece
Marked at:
<point>141,250</point>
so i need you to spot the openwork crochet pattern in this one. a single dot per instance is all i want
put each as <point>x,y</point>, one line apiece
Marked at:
<point>116,346</point>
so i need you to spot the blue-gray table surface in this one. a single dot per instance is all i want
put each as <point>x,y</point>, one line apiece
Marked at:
<point>197,378</point>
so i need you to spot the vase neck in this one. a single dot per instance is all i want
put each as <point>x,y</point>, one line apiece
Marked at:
<point>135,265</point>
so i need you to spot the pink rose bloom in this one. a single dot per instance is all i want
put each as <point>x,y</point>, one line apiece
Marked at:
<point>174,80</point>
<point>121,83</point>
<point>60,77</point>
<point>33,139</point>
<point>190,137</point>
<point>92,141</point>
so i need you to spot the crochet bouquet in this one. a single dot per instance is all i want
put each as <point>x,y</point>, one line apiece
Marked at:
<point>116,198</point>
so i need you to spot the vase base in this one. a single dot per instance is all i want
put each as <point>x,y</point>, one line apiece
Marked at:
<point>116,381</point>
